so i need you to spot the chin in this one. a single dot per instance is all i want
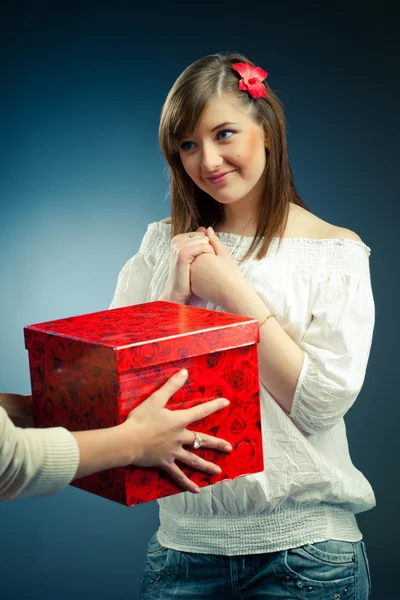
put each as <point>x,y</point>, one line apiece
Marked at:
<point>228,198</point>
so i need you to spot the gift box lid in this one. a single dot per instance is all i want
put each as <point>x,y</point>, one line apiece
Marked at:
<point>145,334</point>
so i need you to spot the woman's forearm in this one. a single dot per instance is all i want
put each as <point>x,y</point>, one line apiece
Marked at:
<point>280,358</point>
<point>151,436</point>
<point>99,449</point>
<point>103,449</point>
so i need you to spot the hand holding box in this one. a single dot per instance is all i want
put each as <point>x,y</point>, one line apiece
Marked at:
<point>90,371</point>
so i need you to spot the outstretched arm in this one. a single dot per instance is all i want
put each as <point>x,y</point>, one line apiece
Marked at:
<point>36,462</point>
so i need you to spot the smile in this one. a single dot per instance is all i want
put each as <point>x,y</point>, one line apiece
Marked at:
<point>220,178</point>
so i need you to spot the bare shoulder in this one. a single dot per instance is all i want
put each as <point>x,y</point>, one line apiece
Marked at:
<point>167,220</point>
<point>343,233</point>
<point>302,223</point>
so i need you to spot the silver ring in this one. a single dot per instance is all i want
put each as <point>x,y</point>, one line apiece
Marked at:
<point>197,442</point>
<point>191,234</point>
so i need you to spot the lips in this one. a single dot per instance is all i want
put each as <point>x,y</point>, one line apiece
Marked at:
<point>221,177</point>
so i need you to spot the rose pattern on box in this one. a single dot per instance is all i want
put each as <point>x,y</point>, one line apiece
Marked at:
<point>81,385</point>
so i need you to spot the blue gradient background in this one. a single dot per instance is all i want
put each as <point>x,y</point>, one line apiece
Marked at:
<point>81,175</point>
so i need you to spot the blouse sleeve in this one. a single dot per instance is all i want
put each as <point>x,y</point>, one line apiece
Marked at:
<point>35,462</point>
<point>337,345</point>
<point>133,284</point>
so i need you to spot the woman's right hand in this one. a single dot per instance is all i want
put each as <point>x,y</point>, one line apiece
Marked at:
<point>159,435</point>
<point>184,249</point>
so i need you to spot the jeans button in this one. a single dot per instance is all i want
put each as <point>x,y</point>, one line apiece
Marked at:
<point>287,577</point>
<point>345,591</point>
<point>309,589</point>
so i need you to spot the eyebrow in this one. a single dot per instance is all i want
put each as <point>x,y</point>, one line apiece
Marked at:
<point>224,124</point>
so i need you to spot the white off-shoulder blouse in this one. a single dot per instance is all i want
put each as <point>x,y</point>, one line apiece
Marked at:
<point>320,292</point>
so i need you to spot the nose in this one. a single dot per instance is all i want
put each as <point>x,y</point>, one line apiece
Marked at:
<point>211,159</point>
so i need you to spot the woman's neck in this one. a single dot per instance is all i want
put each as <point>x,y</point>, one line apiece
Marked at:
<point>239,224</point>
<point>246,223</point>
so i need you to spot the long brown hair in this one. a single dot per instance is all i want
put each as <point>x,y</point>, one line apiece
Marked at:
<point>192,207</point>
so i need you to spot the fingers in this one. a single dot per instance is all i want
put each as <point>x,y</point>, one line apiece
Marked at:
<point>209,441</point>
<point>191,238</point>
<point>191,235</point>
<point>216,243</point>
<point>198,463</point>
<point>181,478</point>
<point>203,410</point>
<point>191,251</point>
<point>188,249</point>
<point>194,239</point>
<point>174,383</point>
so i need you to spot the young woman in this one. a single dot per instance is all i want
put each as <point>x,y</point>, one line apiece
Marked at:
<point>36,462</point>
<point>241,240</point>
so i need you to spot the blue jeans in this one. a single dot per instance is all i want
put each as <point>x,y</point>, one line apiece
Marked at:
<point>331,570</point>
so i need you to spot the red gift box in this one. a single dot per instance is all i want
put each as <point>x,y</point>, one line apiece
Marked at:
<point>90,371</point>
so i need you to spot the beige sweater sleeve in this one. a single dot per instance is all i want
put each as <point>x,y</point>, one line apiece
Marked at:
<point>35,462</point>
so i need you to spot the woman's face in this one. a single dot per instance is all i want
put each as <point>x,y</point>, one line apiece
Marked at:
<point>225,156</point>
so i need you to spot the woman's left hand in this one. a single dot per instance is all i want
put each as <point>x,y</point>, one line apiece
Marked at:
<point>214,278</point>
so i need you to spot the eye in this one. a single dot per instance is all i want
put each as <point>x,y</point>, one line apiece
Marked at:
<point>225,134</point>
<point>186,146</point>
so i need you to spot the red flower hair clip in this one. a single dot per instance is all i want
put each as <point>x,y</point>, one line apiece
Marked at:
<point>252,78</point>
